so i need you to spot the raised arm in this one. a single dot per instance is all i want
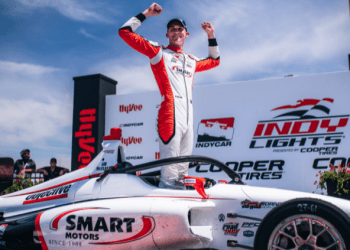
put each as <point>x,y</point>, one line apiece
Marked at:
<point>213,59</point>
<point>140,44</point>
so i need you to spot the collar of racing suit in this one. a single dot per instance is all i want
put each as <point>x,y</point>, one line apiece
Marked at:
<point>175,49</point>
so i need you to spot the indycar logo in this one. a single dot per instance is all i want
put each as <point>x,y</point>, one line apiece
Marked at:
<point>216,132</point>
<point>306,124</point>
<point>140,157</point>
<point>2,229</point>
<point>231,229</point>
<point>137,124</point>
<point>53,194</point>
<point>254,204</point>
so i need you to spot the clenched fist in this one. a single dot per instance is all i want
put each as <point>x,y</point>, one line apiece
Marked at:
<point>209,29</point>
<point>153,10</point>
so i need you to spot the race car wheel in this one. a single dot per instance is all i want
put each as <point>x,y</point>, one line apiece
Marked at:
<point>304,224</point>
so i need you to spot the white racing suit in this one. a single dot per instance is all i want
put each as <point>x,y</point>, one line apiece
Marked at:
<point>174,72</point>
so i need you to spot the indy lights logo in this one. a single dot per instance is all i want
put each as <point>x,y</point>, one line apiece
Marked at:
<point>216,132</point>
<point>306,124</point>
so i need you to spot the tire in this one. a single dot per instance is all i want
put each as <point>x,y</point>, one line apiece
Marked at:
<point>329,225</point>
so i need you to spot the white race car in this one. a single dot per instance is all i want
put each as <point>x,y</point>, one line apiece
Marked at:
<point>107,205</point>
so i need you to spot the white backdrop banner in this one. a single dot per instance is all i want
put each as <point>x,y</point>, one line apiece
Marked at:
<point>274,133</point>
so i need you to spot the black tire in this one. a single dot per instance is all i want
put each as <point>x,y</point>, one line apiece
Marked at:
<point>303,212</point>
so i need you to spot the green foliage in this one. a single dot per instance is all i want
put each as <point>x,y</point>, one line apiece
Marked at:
<point>19,185</point>
<point>340,175</point>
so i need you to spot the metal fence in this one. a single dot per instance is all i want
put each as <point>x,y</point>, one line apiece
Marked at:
<point>35,177</point>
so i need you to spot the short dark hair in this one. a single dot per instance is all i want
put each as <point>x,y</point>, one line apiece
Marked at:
<point>182,22</point>
<point>53,160</point>
<point>24,150</point>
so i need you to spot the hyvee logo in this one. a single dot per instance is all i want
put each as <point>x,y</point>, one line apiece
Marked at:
<point>131,140</point>
<point>182,71</point>
<point>216,132</point>
<point>129,108</point>
<point>131,124</point>
<point>86,138</point>
<point>305,124</point>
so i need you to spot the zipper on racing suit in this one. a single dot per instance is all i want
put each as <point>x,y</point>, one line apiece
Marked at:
<point>183,73</point>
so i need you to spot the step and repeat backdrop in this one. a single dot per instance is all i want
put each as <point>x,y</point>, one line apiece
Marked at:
<point>274,133</point>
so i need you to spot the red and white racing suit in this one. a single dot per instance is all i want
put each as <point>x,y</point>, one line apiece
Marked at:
<point>174,72</point>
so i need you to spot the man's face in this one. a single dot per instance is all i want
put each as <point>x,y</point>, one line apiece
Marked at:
<point>26,155</point>
<point>53,164</point>
<point>177,35</point>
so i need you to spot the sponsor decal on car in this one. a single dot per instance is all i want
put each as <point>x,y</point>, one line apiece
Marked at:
<point>103,168</point>
<point>130,108</point>
<point>254,204</point>
<point>221,217</point>
<point>250,170</point>
<point>250,224</point>
<point>2,229</point>
<point>248,233</point>
<point>305,127</point>
<point>216,132</point>
<point>89,228</point>
<point>231,229</point>
<point>52,194</point>
<point>109,151</point>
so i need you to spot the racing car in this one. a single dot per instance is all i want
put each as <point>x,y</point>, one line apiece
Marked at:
<point>110,205</point>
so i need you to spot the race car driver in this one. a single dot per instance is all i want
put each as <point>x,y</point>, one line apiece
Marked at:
<point>173,71</point>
